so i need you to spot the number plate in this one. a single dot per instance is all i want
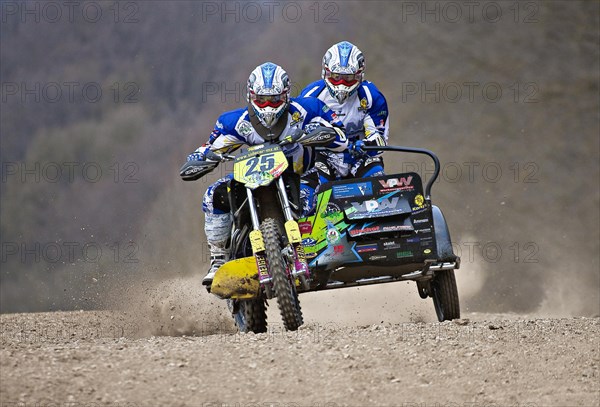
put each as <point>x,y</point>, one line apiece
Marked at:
<point>259,166</point>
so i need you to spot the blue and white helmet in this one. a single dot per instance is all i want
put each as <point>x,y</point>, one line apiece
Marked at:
<point>343,70</point>
<point>269,93</point>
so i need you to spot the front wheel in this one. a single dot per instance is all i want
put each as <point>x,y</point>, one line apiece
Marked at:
<point>445,296</point>
<point>285,289</point>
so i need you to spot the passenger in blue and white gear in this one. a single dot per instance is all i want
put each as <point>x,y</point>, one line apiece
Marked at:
<point>270,110</point>
<point>359,105</point>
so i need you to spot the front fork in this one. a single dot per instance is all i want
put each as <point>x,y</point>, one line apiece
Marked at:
<point>294,252</point>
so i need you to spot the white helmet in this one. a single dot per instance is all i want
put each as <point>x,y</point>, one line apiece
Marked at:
<point>268,93</point>
<point>343,69</point>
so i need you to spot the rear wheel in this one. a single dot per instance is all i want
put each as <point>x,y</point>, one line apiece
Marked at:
<point>445,296</point>
<point>250,315</point>
<point>285,289</point>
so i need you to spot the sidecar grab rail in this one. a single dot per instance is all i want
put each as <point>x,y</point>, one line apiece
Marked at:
<point>436,161</point>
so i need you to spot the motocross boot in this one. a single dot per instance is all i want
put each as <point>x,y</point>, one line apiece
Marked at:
<point>219,255</point>
<point>218,230</point>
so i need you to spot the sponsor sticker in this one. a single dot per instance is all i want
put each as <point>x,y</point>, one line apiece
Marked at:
<point>404,253</point>
<point>309,242</point>
<point>333,235</point>
<point>363,105</point>
<point>378,257</point>
<point>352,190</point>
<point>396,228</point>
<point>391,245</point>
<point>357,232</point>
<point>419,200</point>
<point>366,248</point>
<point>331,211</point>
<point>396,184</point>
<point>305,227</point>
<point>296,118</point>
<point>244,128</point>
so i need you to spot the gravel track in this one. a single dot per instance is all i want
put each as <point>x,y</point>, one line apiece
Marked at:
<point>105,358</point>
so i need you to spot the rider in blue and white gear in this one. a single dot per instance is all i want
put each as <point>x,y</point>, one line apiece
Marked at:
<point>270,110</point>
<point>359,105</point>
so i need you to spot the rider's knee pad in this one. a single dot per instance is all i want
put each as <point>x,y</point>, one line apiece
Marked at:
<point>216,199</point>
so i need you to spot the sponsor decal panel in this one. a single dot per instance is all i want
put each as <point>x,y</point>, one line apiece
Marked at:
<point>352,190</point>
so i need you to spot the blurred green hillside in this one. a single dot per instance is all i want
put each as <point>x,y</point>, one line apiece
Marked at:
<point>507,96</point>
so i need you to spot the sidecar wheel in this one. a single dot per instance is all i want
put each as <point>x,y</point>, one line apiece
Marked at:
<point>285,290</point>
<point>445,296</point>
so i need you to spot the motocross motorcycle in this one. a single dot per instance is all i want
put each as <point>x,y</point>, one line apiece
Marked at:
<point>268,258</point>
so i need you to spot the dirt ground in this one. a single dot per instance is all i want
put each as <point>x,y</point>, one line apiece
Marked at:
<point>354,350</point>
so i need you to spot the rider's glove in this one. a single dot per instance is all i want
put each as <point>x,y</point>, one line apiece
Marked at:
<point>195,157</point>
<point>356,148</point>
<point>199,154</point>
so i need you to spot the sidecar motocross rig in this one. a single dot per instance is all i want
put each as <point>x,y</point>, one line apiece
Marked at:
<point>364,231</point>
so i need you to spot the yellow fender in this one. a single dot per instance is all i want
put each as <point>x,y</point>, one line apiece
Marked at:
<point>236,279</point>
